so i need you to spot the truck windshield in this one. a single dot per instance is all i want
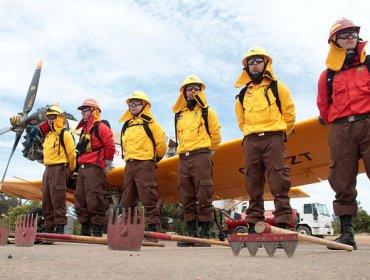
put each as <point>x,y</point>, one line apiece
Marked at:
<point>323,210</point>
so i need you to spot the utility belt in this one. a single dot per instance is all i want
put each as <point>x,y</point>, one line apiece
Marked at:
<point>193,153</point>
<point>56,164</point>
<point>263,134</point>
<point>137,160</point>
<point>84,166</point>
<point>352,119</point>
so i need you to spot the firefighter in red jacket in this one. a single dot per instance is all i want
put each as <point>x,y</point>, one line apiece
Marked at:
<point>344,103</point>
<point>95,155</point>
<point>59,160</point>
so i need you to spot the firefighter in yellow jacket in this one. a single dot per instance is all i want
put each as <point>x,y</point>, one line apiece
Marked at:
<point>59,160</point>
<point>143,144</point>
<point>198,136</point>
<point>266,114</point>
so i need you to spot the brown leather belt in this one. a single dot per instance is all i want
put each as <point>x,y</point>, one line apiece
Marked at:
<point>193,153</point>
<point>263,134</point>
<point>84,166</point>
<point>352,119</point>
<point>57,164</point>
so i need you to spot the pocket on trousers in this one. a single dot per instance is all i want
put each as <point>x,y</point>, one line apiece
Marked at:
<point>60,187</point>
<point>150,185</point>
<point>206,182</point>
<point>284,169</point>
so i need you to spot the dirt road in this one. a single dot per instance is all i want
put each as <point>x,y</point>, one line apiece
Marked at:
<point>83,261</point>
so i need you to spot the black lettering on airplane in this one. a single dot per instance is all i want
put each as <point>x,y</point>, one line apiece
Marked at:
<point>295,158</point>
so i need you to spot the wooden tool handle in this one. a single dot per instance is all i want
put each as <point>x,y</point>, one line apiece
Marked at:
<point>173,237</point>
<point>262,227</point>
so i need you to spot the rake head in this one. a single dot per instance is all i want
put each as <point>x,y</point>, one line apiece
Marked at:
<point>4,230</point>
<point>124,234</point>
<point>25,230</point>
<point>269,241</point>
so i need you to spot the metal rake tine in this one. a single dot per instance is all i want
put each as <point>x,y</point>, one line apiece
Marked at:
<point>128,221</point>
<point>110,217</point>
<point>270,248</point>
<point>142,216</point>
<point>289,247</point>
<point>135,216</point>
<point>236,247</point>
<point>252,247</point>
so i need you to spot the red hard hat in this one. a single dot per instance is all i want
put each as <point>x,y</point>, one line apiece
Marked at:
<point>341,24</point>
<point>90,102</point>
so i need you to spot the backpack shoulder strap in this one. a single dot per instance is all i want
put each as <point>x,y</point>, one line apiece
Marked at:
<point>149,133</point>
<point>96,130</point>
<point>367,62</point>
<point>329,84</point>
<point>241,94</point>
<point>274,88</point>
<point>177,116</point>
<point>61,140</point>
<point>123,130</point>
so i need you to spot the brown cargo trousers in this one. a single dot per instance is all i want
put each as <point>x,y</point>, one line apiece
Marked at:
<point>140,185</point>
<point>266,154</point>
<point>54,187</point>
<point>89,195</point>
<point>196,187</point>
<point>348,143</point>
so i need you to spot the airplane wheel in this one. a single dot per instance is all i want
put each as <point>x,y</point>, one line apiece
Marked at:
<point>304,230</point>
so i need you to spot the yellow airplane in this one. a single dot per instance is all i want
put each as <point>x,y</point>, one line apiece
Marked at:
<point>307,155</point>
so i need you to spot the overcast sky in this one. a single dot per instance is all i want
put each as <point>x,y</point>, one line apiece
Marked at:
<point>107,49</point>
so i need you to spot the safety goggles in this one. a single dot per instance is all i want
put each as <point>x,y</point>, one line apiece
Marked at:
<point>135,103</point>
<point>347,34</point>
<point>255,60</point>
<point>51,117</point>
<point>84,110</point>
<point>195,88</point>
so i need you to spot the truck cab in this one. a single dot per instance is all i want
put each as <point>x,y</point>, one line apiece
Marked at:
<point>314,219</point>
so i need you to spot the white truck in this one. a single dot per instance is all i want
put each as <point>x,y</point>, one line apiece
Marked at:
<point>314,219</point>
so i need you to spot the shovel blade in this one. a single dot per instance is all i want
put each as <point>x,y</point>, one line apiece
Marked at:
<point>25,230</point>
<point>4,230</point>
<point>124,234</point>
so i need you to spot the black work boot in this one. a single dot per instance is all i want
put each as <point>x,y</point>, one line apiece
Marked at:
<point>251,229</point>
<point>97,230</point>
<point>48,229</point>
<point>59,229</point>
<point>192,232</point>
<point>204,233</point>
<point>347,237</point>
<point>85,229</point>
<point>152,228</point>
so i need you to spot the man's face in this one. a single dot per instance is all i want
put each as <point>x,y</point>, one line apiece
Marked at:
<point>135,106</point>
<point>347,38</point>
<point>86,112</point>
<point>256,64</point>
<point>192,89</point>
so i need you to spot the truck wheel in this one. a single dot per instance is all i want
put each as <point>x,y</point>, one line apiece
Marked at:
<point>240,229</point>
<point>304,230</point>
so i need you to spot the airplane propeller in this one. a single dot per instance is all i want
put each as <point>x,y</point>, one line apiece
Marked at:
<point>21,120</point>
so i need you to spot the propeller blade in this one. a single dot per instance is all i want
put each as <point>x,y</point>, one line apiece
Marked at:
<point>31,95</point>
<point>5,130</point>
<point>17,137</point>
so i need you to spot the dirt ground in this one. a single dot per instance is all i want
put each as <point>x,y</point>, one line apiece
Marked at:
<point>85,261</point>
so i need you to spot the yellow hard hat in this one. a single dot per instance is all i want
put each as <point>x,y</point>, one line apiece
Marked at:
<point>192,79</point>
<point>138,94</point>
<point>54,110</point>
<point>256,51</point>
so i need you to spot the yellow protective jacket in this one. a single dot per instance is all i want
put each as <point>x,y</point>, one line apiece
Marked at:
<point>54,153</point>
<point>256,114</point>
<point>191,131</point>
<point>135,142</point>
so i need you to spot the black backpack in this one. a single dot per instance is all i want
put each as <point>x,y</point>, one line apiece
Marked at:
<point>331,73</point>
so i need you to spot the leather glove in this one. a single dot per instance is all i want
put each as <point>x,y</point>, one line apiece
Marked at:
<point>108,165</point>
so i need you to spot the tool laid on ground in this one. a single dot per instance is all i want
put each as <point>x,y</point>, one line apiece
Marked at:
<point>126,235</point>
<point>269,241</point>
<point>4,230</point>
<point>25,230</point>
<point>262,227</point>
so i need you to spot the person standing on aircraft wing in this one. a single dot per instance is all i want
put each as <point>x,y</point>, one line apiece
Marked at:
<point>143,143</point>
<point>95,155</point>
<point>198,136</point>
<point>265,114</point>
<point>343,100</point>
<point>60,161</point>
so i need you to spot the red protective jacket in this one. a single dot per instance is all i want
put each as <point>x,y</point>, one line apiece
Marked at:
<point>101,150</point>
<point>351,92</point>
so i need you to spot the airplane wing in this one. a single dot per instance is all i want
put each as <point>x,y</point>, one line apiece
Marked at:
<point>307,155</point>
